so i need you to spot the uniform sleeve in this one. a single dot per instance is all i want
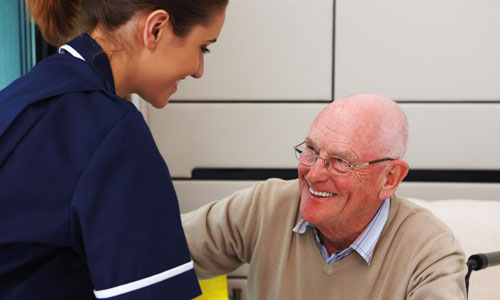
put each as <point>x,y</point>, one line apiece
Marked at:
<point>126,216</point>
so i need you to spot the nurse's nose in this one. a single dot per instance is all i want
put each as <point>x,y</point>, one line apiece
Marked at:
<point>201,65</point>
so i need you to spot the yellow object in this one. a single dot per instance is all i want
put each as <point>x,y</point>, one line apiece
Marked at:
<point>214,289</point>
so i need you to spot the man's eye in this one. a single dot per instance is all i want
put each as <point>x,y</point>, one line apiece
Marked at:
<point>204,49</point>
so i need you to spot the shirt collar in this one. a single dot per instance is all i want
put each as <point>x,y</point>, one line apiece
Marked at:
<point>364,244</point>
<point>93,54</point>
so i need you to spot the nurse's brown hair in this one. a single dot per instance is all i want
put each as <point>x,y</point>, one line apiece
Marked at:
<point>60,20</point>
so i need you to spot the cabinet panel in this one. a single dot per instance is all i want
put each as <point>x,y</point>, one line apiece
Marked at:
<point>269,50</point>
<point>230,135</point>
<point>453,136</point>
<point>418,50</point>
<point>193,194</point>
<point>442,136</point>
<point>237,283</point>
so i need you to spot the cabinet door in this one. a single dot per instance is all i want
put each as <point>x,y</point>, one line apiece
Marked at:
<point>418,50</point>
<point>269,50</point>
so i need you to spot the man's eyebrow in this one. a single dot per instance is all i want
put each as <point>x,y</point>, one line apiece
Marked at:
<point>340,154</point>
<point>308,141</point>
<point>346,155</point>
<point>211,41</point>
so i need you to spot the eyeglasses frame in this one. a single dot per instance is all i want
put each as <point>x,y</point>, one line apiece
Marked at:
<point>326,160</point>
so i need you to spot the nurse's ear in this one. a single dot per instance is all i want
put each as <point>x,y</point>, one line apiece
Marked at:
<point>156,26</point>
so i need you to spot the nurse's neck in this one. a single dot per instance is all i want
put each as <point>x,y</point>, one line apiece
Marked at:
<point>120,57</point>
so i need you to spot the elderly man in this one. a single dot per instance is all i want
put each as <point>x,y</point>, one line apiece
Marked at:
<point>338,232</point>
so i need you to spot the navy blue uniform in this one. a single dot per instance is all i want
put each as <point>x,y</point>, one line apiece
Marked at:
<point>87,205</point>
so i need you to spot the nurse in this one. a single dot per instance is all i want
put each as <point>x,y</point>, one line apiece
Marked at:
<point>87,206</point>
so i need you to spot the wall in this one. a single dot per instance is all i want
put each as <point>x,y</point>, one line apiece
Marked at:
<point>279,62</point>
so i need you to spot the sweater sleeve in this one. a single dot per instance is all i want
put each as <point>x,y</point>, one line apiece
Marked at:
<point>221,235</point>
<point>440,272</point>
<point>224,234</point>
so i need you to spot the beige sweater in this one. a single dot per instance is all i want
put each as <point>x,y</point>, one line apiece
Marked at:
<point>416,257</point>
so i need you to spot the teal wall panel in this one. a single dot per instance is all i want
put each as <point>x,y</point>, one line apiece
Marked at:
<point>16,41</point>
<point>10,46</point>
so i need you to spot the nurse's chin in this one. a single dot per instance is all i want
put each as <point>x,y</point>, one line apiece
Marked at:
<point>159,104</point>
<point>160,101</point>
<point>160,98</point>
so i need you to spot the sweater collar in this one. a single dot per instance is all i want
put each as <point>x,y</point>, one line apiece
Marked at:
<point>364,244</point>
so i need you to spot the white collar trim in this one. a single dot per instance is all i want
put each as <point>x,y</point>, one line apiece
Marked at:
<point>71,51</point>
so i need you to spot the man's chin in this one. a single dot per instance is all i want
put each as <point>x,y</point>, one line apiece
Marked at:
<point>307,212</point>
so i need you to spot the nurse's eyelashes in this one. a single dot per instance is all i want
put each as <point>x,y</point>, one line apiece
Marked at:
<point>205,49</point>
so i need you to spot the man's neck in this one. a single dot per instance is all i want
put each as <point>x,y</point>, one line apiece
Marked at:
<point>334,243</point>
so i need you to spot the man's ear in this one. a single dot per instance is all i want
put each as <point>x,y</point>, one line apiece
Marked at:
<point>397,171</point>
<point>156,26</point>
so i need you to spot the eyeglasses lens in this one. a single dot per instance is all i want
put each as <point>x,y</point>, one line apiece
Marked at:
<point>334,165</point>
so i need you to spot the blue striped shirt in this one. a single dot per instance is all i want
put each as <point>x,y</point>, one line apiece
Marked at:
<point>364,243</point>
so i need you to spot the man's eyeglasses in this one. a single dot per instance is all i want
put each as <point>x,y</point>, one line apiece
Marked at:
<point>334,165</point>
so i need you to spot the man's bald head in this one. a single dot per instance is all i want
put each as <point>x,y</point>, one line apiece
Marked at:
<point>377,120</point>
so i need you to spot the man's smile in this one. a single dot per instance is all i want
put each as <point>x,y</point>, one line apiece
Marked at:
<point>321,194</point>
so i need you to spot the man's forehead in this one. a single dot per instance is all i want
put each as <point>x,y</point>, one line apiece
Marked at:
<point>342,132</point>
<point>343,121</point>
<point>332,145</point>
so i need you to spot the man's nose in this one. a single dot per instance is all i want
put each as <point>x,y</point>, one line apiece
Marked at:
<point>318,170</point>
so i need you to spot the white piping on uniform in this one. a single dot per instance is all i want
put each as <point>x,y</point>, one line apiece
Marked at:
<point>135,285</point>
<point>71,51</point>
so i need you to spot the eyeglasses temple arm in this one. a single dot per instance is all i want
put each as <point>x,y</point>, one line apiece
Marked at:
<point>379,160</point>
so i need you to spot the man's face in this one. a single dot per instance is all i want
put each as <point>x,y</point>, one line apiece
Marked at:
<point>349,201</point>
